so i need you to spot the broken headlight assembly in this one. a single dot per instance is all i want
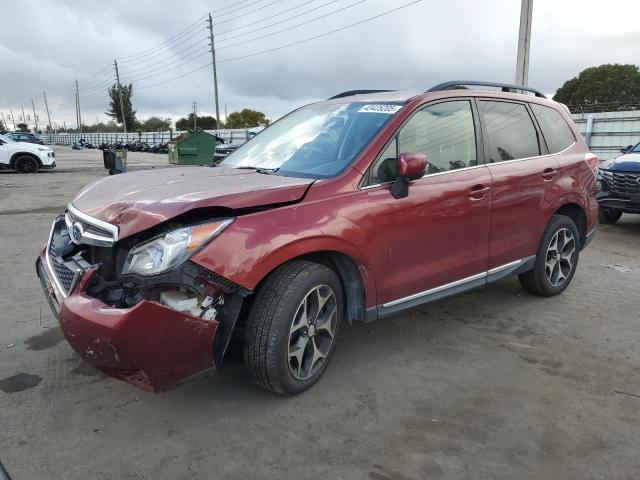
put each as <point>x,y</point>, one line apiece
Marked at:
<point>171,249</point>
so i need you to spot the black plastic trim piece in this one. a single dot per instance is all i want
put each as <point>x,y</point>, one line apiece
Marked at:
<point>350,93</point>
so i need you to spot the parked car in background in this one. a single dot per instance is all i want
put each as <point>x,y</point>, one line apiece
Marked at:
<point>25,137</point>
<point>619,185</point>
<point>24,157</point>
<point>230,144</point>
<point>346,210</point>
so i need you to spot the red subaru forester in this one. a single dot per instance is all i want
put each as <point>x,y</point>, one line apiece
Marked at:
<point>350,209</point>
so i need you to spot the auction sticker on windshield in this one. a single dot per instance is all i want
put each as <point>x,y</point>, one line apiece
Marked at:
<point>380,108</point>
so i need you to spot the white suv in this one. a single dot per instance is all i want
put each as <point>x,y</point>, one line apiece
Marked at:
<point>24,157</point>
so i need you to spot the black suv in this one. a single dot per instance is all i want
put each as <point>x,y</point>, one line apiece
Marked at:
<point>619,185</point>
<point>24,137</point>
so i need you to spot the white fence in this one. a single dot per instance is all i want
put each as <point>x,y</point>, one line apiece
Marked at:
<point>610,131</point>
<point>152,138</point>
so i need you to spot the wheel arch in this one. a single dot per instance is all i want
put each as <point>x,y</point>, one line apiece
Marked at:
<point>576,213</point>
<point>17,155</point>
<point>351,273</point>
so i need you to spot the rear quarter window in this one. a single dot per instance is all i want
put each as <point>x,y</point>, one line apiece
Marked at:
<point>554,128</point>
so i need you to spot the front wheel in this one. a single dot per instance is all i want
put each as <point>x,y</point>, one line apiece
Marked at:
<point>556,259</point>
<point>609,216</point>
<point>293,326</point>
<point>26,164</point>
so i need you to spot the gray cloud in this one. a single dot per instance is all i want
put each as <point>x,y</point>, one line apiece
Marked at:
<point>47,44</point>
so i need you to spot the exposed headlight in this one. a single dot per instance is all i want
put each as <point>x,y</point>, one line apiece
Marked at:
<point>171,249</point>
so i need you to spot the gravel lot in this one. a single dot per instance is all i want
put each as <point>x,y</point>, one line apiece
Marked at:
<point>494,384</point>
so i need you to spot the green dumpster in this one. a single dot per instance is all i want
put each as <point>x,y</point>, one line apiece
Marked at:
<point>192,148</point>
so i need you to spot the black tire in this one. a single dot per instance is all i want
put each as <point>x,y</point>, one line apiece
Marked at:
<point>272,317</point>
<point>26,164</point>
<point>536,280</point>
<point>609,216</point>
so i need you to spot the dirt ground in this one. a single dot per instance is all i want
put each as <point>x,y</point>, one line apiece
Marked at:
<point>493,384</point>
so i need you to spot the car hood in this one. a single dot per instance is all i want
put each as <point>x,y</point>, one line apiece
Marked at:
<point>629,162</point>
<point>139,200</point>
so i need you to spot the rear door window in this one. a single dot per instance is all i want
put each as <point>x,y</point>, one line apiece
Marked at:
<point>512,134</point>
<point>554,127</point>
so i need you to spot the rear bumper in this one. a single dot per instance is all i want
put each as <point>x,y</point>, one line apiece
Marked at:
<point>148,345</point>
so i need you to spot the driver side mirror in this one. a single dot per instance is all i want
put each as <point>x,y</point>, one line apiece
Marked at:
<point>411,166</point>
<point>626,149</point>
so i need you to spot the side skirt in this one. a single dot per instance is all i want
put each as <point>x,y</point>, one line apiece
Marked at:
<point>449,289</point>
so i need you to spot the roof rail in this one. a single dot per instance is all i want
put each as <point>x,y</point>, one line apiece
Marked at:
<point>506,87</point>
<point>357,92</point>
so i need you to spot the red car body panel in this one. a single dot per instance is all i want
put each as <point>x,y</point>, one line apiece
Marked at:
<point>155,196</point>
<point>148,345</point>
<point>451,226</point>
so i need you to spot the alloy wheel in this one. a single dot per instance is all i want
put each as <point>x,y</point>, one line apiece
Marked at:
<point>559,261</point>
<point>312,332</point>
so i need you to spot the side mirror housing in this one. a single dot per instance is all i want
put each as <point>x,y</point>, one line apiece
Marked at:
<point>626,149</point>
<point>411,166</point>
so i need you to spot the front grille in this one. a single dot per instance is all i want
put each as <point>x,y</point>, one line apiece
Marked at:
<point>622,182</point>
<point>94,232</point>
<point>64,275</point>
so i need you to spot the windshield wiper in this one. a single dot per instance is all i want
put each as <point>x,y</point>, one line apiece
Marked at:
<point>266,171</point>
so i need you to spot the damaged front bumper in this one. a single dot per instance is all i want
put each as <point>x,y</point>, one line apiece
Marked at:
<point>149,345</point>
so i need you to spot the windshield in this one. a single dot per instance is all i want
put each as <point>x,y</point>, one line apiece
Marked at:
<point>6,139</point>
<point>317,141</point>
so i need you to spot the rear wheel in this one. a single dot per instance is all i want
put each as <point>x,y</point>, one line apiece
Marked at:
<point>26,164</point>
<point>609,216</point>
<point>293,326</point>
<point>556,259</point>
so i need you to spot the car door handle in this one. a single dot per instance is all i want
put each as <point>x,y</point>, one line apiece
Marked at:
<point>549,173</point>
<point>478,192</point>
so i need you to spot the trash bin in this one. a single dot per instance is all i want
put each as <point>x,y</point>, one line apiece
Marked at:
<point>192,148</point>
<point>115,161</point>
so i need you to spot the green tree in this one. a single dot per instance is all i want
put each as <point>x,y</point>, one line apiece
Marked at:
<point>247,119</point>
<point>156,124</point>
<point>607,84</point>
<point>22,127</point>
<point>3,128</point>
<point>205,122</point>
<point>114,100</point>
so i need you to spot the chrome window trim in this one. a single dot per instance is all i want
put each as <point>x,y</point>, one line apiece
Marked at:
<point>427,176</point>
<point>457,283</point>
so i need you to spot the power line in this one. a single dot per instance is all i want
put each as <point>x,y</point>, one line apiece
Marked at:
<point>231,59</point>
<point>294,26</point>
<point>130,58</point>
<point>270,17</point>
<point>227,20</point>
<point>208,64</point>
<point>153,56</point>
<point>162,63</point>
<point>190,58</point>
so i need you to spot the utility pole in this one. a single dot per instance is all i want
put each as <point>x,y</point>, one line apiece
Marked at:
<point>47,107</point>
<point>215,72</point>
<point>524,43</point>
<point>195,116</point>
<point>226,116</point>
<point>124,120</point>
<point>35,117</point>
<point>78,105</point>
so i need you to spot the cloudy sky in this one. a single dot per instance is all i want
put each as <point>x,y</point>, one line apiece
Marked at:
<point>45,45</point>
